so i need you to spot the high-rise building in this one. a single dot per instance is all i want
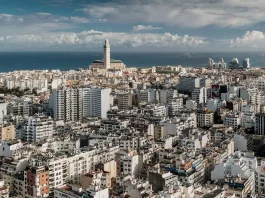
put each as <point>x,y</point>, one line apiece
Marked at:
<point>246,63</point>
<point>72,104</point>
<point>64,103</point>
<point>234,63</point>
<point>219,65</point>
<point>95,102</point>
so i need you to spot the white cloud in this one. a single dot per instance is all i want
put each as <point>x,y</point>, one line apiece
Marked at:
<point>138,28</point>
<point>92,38</point>
<point>37,23</point>
<point>79,19</point>
<point>252,39</point>
<point>188,13</point>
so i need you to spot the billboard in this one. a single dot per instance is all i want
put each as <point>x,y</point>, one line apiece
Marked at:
<point>216,91</point>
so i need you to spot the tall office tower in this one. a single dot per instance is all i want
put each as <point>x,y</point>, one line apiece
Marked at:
<point>37,127</point>
<point>107,54</point>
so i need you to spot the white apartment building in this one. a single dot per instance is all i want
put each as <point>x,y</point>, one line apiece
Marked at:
<point>96,101</point>
<point>129,163</point>
<point>195,141</point>
<point>72,104</point>
<point>240,165</point>
<point>64,103</point>
<point>63,168</point>
<point>62,145</point>
<point>37,127</point>
<point>176,125</point>
<point>174,106</point>
<point>111,125</point>
<point>128,143</point>
<point>40,83</point>
<point>199,95</point>
<point>57,103</point>
<point>191,143</point>
<point>155,110</point>
<point>232,120</point>
<point>57,82</point>
<point>204,118</point>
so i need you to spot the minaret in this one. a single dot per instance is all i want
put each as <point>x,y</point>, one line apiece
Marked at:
<point>107,54</point>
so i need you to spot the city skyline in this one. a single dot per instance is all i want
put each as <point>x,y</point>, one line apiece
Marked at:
<point>83,25</point>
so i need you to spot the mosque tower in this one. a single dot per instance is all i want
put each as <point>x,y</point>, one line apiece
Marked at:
<point>107,54</point>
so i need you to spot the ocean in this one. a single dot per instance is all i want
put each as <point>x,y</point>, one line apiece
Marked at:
<point>10,61</point>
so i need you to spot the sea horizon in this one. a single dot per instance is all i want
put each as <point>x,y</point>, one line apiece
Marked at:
<point>73,60</point>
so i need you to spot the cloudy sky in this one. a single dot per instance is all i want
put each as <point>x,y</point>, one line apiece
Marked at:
<point>168,25</point>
